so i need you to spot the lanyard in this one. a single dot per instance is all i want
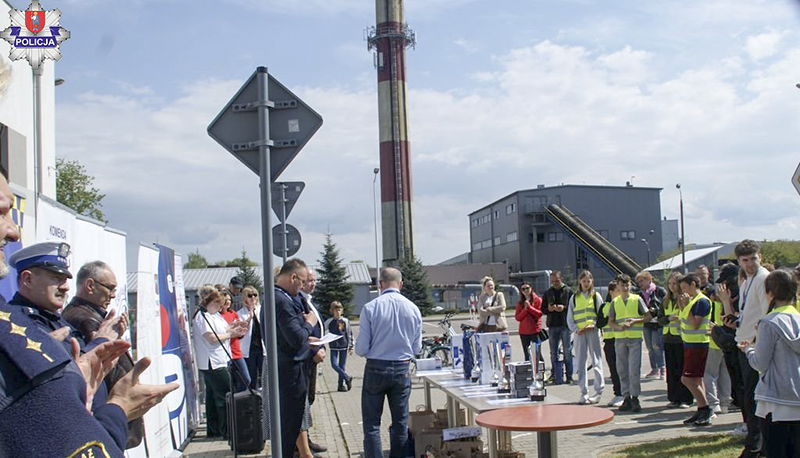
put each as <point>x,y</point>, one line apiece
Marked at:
<point>746,292</point>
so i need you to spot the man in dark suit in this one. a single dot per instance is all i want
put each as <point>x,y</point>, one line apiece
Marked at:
<point>294,352</point>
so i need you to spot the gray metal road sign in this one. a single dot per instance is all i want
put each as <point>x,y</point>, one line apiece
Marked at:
<point>292,240</point>
<point>284,196</point>
<point>291,124</point>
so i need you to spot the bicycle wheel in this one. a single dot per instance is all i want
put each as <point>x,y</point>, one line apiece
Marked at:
<point>442,353</point>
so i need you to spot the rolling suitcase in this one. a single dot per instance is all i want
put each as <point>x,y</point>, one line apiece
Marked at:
<point>244,430</point>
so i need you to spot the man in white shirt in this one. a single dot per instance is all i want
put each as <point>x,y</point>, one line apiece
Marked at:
<point>753,306</point>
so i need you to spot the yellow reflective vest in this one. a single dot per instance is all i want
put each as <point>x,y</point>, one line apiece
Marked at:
<point>608,333</point>
<point>716,318</point>
<point>699,335</point>
<point>674,327</point>
<point>584,314</point>
<point>625,310</point>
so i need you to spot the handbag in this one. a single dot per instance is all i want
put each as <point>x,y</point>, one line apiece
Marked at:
<point>724,337</point>
<point>543,335</point>
<point>482,327</point>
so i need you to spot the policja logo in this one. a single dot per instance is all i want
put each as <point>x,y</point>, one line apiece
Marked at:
<point>35,34</point>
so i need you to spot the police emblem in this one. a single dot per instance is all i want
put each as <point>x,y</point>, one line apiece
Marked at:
<point>35,34</point>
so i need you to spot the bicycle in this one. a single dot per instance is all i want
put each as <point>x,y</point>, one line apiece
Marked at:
<point>438,346</point>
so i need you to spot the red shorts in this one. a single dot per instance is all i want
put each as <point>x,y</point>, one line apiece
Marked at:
<point>694,361</point>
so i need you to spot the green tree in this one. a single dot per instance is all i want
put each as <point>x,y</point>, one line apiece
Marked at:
<point>196,261</point>
<point>74,189</point>
<point>247,273</point>
<point>416,286</point>
<point>332,280</point>
<point>781,253</point>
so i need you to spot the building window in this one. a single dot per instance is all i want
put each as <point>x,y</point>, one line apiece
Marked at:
<point>604,233</point>
<point>511,208</point>
<point>475,222</point>
<point>497,240</point>
<point>497,214</point>
<point>511,236</point>
<point>476,246</point>
<point>627,235</point>
<point>486,243</point>
<point>540,237</point>
<point>555,236</point>
<point>486,218</point>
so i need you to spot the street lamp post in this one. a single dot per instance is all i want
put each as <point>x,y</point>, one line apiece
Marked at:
<point>375,171</point>
<point>683,234</point>
<point>648,251</point>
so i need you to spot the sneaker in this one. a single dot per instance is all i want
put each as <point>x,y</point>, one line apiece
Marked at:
<point>673,405</point>
<point>684,405</point>
<point>740,430</point>
<point>662,373</point>
<point>723,409</point>
<point>571,381</point>
<point>596,398</point>
<point>550,380</point>
<point>343,388</point>
<point>635,406</point>
<point>693,418</point>
<point>626,404</point>
<point>705,418</point>
<point>616,401</point>
<point>349,383</point>
<point>316,448</point>
<point>583,400</point>
<point>717,409</point>
<point>652,374</point>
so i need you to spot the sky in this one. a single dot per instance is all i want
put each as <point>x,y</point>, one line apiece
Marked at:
<point>534,92</point>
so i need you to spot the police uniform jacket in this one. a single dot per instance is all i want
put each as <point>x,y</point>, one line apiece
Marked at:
<point>43,397</point>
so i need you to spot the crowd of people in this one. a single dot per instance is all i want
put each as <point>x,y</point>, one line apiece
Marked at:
<point>730,344</point>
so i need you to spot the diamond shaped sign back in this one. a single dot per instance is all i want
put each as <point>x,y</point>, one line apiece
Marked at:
<point>291,124</point>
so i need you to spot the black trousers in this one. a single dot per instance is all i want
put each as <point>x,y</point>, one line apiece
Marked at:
<point>611,359</point>
<point>218,384</point>
<point>737,386</point>
<point>676,391</point>
<point>754,440</point>
<point>293,384</point>
<point>781,439</point>
<point>255,364</point>
<point>527,339</point>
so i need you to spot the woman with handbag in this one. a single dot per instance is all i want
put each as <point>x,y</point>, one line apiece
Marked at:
<point>491,308</point>
<point>529,315</point>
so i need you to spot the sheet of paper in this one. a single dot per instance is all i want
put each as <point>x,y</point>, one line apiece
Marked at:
<point>329,337</point>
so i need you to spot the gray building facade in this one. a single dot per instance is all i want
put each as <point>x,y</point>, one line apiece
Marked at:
<point>517,229</point>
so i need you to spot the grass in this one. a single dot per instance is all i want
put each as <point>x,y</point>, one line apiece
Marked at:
<point>713,446</point>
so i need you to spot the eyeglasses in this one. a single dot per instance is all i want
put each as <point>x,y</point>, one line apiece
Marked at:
<point>251,295</point>
<point>526,288</point>
<point>110,288</point>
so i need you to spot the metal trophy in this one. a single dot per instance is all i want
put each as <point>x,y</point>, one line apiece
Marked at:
<point>494,353</point>
<point>505,385</point>
<point>476,369</point>
<point>537,391</point>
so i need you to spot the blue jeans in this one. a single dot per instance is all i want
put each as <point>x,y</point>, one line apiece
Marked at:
<point>654,341</point>
<point>390,379</point>
<point>240,367</point>
<point>338,361</point>
<point>561,334</point>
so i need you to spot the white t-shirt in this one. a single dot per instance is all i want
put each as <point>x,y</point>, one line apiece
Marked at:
<point>206,352</point>
<point>490,320</point>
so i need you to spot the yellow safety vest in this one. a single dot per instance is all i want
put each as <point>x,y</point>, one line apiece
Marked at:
<point>625,310</point>
<point>699,335</point>
<point>608,333</point>
<point>674,327</point>
<point>790,309</point>
<point>797,305</point>
<point>583,313</point>
<point>716,318</point>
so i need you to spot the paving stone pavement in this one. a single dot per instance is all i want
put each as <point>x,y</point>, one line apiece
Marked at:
<point>337,417</point>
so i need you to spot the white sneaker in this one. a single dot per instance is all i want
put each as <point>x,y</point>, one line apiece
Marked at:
<point>740,430</point>
<point>723,409</point>
<point>616,401</point>
<point>596,398</point>
<point>717,409</point>
<point>583,400</point>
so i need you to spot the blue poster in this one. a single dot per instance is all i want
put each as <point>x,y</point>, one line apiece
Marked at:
<point>175,352</point>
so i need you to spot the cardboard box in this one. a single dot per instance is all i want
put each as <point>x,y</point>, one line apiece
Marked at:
<point>461,432</point>
<point>420,420</point>
<point>429,440</point>
<point>429,364</point>
<point>457,350</point>
<point>462,449</point>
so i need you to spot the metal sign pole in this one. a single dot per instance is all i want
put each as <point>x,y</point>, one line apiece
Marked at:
<point>283,222</point>
<point>269,325</point>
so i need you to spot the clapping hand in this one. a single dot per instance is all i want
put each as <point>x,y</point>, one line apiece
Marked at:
<point>134,398</point>
<point>97,363</point>
<point>112,327</point>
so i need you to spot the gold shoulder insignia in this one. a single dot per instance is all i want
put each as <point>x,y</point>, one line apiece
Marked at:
<point>5,316</point>
<point>94,449</point>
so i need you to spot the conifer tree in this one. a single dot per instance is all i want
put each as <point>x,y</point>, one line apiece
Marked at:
<point>416,286</point>
<point>248,273</point>
<point>332,281</point>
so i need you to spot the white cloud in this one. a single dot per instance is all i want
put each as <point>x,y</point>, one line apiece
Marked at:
<point>763,45</point>
<point>544,113</point>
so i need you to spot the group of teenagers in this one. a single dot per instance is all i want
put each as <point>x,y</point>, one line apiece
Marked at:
<point>733,343</point>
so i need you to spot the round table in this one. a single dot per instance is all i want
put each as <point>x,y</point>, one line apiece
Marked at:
<point>544,419</point>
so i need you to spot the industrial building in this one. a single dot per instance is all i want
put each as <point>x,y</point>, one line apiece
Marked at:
<point>605,229</point>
